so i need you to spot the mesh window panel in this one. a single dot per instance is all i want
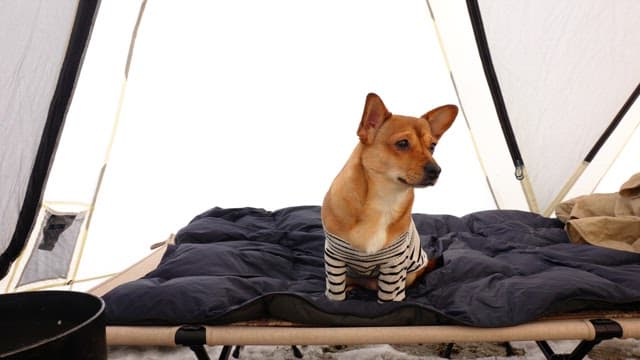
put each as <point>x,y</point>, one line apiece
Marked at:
<point>52,254</point>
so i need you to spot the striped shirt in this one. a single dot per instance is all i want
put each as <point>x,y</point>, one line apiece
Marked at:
<point>390,265</point>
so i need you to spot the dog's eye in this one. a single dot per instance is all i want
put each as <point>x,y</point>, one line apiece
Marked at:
<point>432,148</point>
<point>402,144</point>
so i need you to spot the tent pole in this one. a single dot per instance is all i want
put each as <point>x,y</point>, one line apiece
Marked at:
<point>565,189</point>
<point>528,190</point>
<point>91,208</point>
<point>626,142</point>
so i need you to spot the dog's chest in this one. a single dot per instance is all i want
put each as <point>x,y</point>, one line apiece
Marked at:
<point>376,235</point>
<point>379,235</point>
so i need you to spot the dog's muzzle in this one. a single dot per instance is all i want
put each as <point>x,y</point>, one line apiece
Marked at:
<point>431,173</point>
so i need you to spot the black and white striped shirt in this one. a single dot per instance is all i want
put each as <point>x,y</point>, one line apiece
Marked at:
<point>390,265</point>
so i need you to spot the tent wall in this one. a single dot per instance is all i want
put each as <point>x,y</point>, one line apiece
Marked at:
<point>562,76</point>
<point>561,66</point>
<point>457,41</point>
<point>84,143</point>
<point>42,44</point>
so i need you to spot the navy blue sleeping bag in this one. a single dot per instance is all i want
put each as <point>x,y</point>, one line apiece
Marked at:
<point>499,268</point>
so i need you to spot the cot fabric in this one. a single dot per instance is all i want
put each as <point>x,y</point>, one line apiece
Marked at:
<point>389,265</point>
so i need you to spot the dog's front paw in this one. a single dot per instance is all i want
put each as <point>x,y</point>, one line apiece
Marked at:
<point>382,298</point>
<point>335,297</point>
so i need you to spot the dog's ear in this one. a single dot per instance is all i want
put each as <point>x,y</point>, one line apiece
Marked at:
<point>375,113</point>
<point>440,119</point>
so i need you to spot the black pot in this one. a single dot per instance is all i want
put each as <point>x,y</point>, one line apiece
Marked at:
<point>52,325</point>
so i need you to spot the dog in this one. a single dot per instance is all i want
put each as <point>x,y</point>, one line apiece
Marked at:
<point>370,237</point>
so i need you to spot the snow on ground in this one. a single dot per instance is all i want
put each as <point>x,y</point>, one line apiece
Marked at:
<point>608,350</point>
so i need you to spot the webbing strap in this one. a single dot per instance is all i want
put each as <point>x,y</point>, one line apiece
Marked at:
<point>191,335</point>
<point>606,329</point>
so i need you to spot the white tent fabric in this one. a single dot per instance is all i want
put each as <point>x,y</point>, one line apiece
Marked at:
<point>84,144</point>
<point>34,36</point>
<point>564,69</point>
<point>551,59</point>
<point>43,46</point>
<point>625,165</point>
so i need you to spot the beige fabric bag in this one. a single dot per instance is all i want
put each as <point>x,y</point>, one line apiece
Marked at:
<point>609,220</point>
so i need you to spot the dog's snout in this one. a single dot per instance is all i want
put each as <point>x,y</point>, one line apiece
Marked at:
<point>432,171</point>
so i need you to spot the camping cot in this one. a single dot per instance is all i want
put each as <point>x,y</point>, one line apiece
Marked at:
<point>135,298</point>
<point>546,88</point>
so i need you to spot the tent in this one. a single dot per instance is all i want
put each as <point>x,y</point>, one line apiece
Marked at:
<point>124,120</point>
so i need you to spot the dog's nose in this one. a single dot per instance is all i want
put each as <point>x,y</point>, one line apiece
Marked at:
<point>432,171</point>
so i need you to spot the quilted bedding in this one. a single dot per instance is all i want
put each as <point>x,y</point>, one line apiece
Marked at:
<point>499,268</point>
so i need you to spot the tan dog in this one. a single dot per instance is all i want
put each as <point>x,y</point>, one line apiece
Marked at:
<point>366,214</point>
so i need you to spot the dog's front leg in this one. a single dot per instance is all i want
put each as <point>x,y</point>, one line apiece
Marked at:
<point>336,275</point>
<point>392,282</point>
